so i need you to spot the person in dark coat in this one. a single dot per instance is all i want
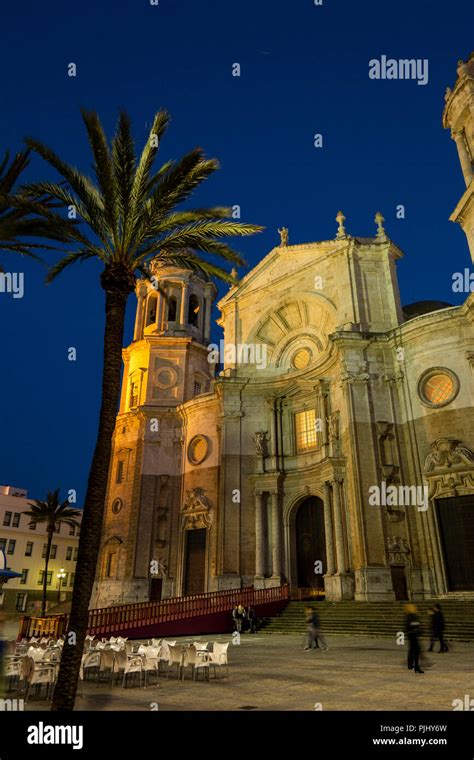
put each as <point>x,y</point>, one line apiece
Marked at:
<point>413,631</point>
<point>252,619</point>
<point>314,630</point>
<point>437,629</point>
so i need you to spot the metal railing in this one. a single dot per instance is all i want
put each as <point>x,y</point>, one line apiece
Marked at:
<point>141,614</point>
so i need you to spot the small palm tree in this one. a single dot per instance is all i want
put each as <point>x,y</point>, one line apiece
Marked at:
<point>132,218</point>
<point>23,215</point>
<point>52,513</point>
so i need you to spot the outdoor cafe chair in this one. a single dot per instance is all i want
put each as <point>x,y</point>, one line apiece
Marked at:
<point>36,674</point>
<point>218,657</point>
<point>193,660</point>
<point>175,658</point>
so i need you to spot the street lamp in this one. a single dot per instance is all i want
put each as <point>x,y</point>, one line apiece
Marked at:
<point>60,577</point>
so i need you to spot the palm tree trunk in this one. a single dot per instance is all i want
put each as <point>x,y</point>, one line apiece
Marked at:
<point>94,504</point>
<point>46,563</point>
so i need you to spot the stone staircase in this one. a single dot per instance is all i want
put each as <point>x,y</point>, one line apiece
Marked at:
<point>351,618</point>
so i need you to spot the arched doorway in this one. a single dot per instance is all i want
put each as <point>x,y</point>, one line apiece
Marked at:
<point>310,543</point>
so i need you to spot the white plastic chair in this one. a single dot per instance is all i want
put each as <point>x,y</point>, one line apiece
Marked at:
<point>193,660</point>
<point>150,663</point>
<point>37,674</point>
<point>175,658</point>
<point>218,657</point>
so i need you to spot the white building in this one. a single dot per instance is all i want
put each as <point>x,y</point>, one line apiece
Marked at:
<point>25,548</point>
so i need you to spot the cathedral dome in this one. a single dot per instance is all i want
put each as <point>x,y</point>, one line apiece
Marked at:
<point>418,308</point>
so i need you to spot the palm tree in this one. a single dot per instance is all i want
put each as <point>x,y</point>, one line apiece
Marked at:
<point>23,215</point>
<point>52,513</point>
<point>131,215</point>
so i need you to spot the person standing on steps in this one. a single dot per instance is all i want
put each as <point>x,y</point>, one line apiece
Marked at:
<point>437,629</point>
<point>314,630</point>
<point>413,631</point>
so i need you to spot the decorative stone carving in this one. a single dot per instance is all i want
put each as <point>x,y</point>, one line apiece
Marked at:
<point>446,453</point>
<point>283,235</point>
<point>260,440</point>
<point>341,231</point>
<point>333,426</point>
<point>196,511</point>
<point>398,550</point>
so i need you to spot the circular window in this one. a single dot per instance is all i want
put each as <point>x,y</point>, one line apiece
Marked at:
<point>438,387</point>
<point>302,358</point>
<point>198,449</point>
<point>117,506</point>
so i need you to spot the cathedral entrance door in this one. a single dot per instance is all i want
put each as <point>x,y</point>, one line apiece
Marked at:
<point>456,522</point>
<point>310,543</point>
<point>399,582</point>
<point>195,562</point>
<point>155,589</point>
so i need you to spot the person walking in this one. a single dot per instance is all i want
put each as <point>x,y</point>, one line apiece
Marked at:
<point>234,617</point>
<point>413,631</point>
<point>437,629</point>
<point>314,631</point>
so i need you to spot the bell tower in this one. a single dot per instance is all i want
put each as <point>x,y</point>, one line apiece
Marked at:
<point>458,116</point>
<point>166,364</point>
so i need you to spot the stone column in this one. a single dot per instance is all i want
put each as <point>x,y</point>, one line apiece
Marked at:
<point>137,334</point>
<point>259,544</point>
<point>464,157</point>
<point>184,305</point>
<point>323,408</point>
<point>276,536</point>
<point>160,306</point>
<point>340,554</point>
<point>207,317</point>
<point>328,530</point>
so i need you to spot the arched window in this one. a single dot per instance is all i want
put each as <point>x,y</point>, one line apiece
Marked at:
<point>151,310</point>
<point>193,310</point>
<point>172,309</point>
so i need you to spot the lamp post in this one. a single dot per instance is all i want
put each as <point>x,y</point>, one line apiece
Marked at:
<point>60,577</point>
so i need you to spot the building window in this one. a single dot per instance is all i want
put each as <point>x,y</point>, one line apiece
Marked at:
<point>172,309</point>
<point>438,387</point>
<point>32,526</point>
<point>24,577</point>
<point>72,530</point>
<point>111,565</point>
<point>305,430</point>
<point>68,552</point>
<point>54,549</point>
<point>57,528</point>
<point>198,449</point>
<point>11,546</point>
<point>119,478</point>
<point>197,388</point>
<point>8,518</point>
<point>301,358</point>
<point>43,553</point>
<point>20,602</point>
<point>117,505</point>
<point>64,580</point>
<point>3,544</point>
<point>16,519</point>
<point>76,550</point>
<point>193,311</point>
<point>133,394</point>
<point>151,313</point>
<point>73,578</point>
<point>29,549</point>
<point>48,578</point>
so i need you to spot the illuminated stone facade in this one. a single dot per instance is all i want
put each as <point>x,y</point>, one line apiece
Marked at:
<point>330,392</point>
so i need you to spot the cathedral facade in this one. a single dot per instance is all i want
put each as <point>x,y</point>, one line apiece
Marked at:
<point>333,451</point>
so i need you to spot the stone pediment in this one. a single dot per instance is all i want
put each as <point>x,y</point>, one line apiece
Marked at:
<point>279,264</point>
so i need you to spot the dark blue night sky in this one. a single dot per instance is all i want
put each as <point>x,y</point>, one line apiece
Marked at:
<point>304,70</point>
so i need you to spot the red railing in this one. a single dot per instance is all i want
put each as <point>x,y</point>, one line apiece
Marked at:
<point>108,620</point>
<point>168,610</point>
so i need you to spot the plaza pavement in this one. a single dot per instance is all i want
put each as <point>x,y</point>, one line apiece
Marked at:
<point>273,672</point>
